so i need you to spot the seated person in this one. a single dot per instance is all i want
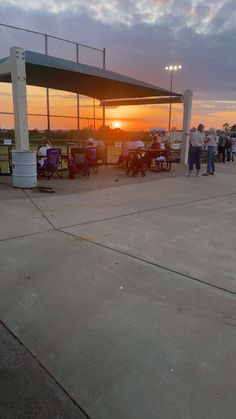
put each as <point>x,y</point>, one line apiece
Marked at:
<point>127,146</point>
<point>155,143</point>
<point>168,149</point>
<point>154,149</point>
<point>138,144</point>
<point>90,143</point>
<point>42,151</point>
<point>91,151</point>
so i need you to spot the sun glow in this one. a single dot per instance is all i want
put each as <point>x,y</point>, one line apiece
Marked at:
<point>117,124</point>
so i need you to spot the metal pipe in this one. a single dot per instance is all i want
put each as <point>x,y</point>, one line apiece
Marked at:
<point>47,92</point>
<point>51,36</point>
<point>94,125</point>
<point>171,85</point>
<point>77,98</point>
<point>53,116</point>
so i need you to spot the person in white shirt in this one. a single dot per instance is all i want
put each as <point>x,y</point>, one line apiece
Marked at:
<point>195,147</point>
<point>210,141</point>
<point>42,151</point>
<point>138,144</point>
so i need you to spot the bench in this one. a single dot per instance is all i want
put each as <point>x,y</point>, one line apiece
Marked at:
<point>161,165</point>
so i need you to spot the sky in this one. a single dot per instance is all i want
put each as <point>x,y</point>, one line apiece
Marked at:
<point>141,37</point>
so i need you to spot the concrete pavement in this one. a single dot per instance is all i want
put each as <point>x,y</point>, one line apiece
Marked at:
<point>124,290</point>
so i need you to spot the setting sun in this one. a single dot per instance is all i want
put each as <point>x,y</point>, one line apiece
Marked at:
<point>117,124</point>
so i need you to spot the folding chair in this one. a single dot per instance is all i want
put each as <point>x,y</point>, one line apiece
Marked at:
<point>78,163</point>
<point>51,164</point>
<point>101,154</point>
<point>91,155</point>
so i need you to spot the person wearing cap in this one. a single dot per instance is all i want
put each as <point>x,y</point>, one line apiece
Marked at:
<point>90,143</point>
<point>195,147</point>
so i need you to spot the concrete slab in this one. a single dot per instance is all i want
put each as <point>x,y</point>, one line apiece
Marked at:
<point>26,390</point>
<point>7,191</point>
<point>84,207</point>
<point>20,217</point>
<point>186,238</point>
<point>124,338</point>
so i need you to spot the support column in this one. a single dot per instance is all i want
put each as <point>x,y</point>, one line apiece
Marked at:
<point>188,96</point>
<point>77,98</point>
<point>18,78</point>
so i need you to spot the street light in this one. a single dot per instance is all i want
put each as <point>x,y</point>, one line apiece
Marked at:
<point>171,68</point>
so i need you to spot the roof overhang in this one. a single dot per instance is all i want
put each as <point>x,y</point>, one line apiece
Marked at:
<point>56,73</point>
<point>143,101</point>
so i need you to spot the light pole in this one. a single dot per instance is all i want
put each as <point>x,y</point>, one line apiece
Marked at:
<point>171,68</point>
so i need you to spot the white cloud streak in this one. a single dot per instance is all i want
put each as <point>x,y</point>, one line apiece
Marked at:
<point>197,14</point>
<point>141,37</point>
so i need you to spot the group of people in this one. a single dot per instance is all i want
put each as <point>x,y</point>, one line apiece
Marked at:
<point>90,143</point>
<point>226,147</point>
<point>138,144</point>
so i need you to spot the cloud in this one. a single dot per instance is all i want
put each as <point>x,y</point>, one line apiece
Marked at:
<point>140,37</point>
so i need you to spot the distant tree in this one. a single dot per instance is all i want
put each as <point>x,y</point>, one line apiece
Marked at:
<point>10,133</point>
<point>233,128</point>
<point>226,126</point>
<point>34,134</point>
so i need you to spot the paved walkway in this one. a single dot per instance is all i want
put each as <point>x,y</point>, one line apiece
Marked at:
<point>122,292</point>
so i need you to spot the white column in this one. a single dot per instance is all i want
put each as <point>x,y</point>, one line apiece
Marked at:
<point>188,96</point>
<point>18,78</point>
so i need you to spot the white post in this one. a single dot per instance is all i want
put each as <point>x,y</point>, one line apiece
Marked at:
<point>18,78</point>
<point>188,96</point>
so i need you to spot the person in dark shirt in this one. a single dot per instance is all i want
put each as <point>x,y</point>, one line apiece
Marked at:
<point>155,143</point>
<point>222,146</point>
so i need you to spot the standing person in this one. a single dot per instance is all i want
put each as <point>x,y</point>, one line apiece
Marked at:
<point>210,141</point>
<point>195,148</point>
<point>228,147</point>
<point>233,141</point>
<point>222,146</point>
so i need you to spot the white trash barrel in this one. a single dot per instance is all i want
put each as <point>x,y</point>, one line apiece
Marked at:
<point>24,169</point>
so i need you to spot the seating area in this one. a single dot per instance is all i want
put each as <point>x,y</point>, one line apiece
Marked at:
<point>141,160</point>
<point>86,160</point>
<point>80,160</point>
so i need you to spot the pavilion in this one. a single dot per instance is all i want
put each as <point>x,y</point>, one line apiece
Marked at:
<point>24,67</point>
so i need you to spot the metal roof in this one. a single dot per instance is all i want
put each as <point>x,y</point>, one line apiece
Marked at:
<point>56,73</point>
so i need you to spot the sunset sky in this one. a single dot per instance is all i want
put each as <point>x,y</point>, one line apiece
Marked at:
<point>141,38</point>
